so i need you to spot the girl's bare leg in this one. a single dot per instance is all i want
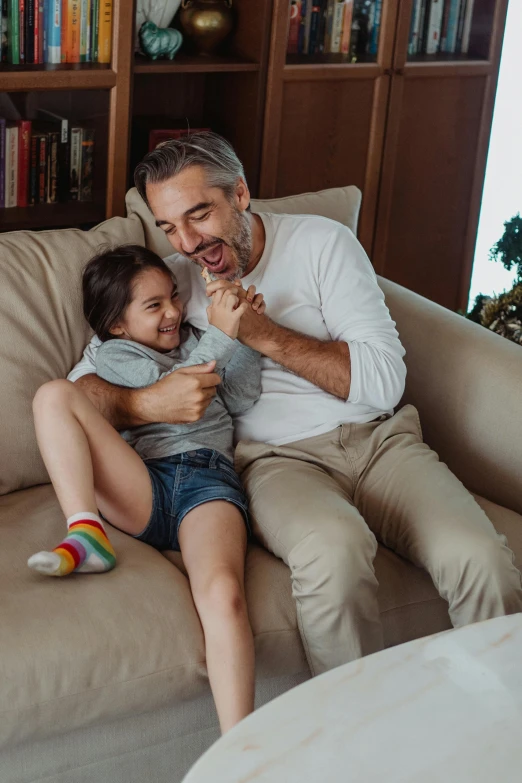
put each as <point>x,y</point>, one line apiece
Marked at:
<point>91,467</point>
<point>212,539</point>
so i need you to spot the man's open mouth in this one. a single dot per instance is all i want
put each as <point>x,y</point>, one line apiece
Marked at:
<point>214,259</point>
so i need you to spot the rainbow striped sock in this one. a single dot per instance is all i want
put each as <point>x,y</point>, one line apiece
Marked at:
<point>85,549</point>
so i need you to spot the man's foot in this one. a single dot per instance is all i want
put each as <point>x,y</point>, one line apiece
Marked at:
<point>85,549</point>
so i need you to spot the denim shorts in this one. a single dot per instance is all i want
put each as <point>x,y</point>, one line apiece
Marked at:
<point>182,482</point>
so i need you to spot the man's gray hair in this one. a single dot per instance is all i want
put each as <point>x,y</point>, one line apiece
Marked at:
<point>208,150</point>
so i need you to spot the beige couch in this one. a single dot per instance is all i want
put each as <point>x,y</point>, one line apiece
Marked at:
<point>102,678</point>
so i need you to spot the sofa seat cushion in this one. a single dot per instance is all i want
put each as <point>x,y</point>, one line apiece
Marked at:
<point>85,649</point>
<point>43,329</point>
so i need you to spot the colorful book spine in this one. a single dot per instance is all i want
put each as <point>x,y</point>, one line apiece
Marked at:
<point>52,167</point>
<point>95,28</point>
<point>105,31</point>
<point>308,27</point>
<point>83,31</point>
<point>11,166</point>
<point>24,161</point>
<point>53,26</point>
<point>302,27</point>
<point>444,26</point>
<point>467,26</point>
<point>453,22</point>
<point>75,163</point>
<point>3,31</point>
<point>73,31</point>
<point>337,27</point>
<point>87,165</point>
<point>373,45</point>
<point>42,168</point>
<point>13,32</point>
<point>33,170</point>
<point>434,27</point>
<point>313,45</point>
<point>29,32</point>
<point>21,29</point>
<point>329,25</point>
<point>2,163</point>
<point>294,25</point>
<point>88,22</point>
<point>460,26</point>
<point>41,31</point>
<point>423,32</point>
<point>347,27</point>
<point>63,30</point>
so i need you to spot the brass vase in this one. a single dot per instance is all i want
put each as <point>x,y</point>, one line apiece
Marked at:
<point>206,23</point>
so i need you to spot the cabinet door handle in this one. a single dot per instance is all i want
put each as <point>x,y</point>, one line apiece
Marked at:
<point>399,72</point>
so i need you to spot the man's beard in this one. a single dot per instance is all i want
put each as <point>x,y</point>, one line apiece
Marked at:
<point>239,239</point>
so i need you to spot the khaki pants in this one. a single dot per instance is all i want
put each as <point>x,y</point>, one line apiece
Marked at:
<point>321,503</point>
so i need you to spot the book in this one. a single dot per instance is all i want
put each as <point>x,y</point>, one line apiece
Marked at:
<point>53,139</point>
<point>13,32</point>
<point>40,23</point>
<point>302,27</point>
<point>42,168</point>
<point>460,26</point>
<point>308,27</point>
<point>3,31</point>
<point>453,20</point>
<point>84,29</point>
<point>87,165</point>
<point>75,163</point>
<point>321,28</point>
<point>53,26</point>
<point>21,30</point>
<point>373,45</point>
<point>337,27</point>
<point>64,4</point>
<point>315,21</point>
<point>2,162</point>
<point>33,170</point>
<point>294,26</point>
<point>29,32</point>
<point>24,155</point>
<point>434,27</point>
<point>424,20</point>
<point>11,165</point>
<point>95,28</point>
<point>105,31</point>
<point>51,122</point>
<point>467,26</point>
<point>444,26</point>
<point>72,35</point>
<point>347,27</point>
<point>329,25</point>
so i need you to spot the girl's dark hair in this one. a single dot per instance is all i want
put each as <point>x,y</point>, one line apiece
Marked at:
<point>108,281</point>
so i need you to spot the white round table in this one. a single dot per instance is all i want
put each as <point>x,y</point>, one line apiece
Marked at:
<point>444,708</point>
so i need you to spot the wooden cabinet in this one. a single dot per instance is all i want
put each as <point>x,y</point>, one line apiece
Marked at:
<point>410,132</point>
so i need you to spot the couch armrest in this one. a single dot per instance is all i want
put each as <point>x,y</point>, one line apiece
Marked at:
<point>466,383</point>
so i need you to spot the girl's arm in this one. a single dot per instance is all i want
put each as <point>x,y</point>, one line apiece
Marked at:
<point>240,387</point>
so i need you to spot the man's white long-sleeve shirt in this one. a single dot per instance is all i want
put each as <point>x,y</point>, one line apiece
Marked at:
<point>317,280</point>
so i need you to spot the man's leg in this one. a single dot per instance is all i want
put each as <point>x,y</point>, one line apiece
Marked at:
<point>416,506</point>
<point>301,514</point>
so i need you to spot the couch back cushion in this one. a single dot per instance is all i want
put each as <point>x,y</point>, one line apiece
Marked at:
<point>42,328</point>
<point>341,204</point>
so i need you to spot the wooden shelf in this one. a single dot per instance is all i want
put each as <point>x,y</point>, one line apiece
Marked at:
<point>306,60</point>
<point>187,64</point>
<point>72,213</point>
<point>69,76</point>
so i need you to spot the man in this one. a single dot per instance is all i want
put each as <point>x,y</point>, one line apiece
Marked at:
<point>327,466</point>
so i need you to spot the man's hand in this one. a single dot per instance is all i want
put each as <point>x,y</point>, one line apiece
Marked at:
<point>256,300</point>
<point>181,397</point>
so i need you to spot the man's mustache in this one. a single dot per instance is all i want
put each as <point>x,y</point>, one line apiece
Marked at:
<point>200,250</point>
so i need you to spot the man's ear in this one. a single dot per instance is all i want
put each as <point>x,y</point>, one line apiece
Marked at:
<point>242,195</point>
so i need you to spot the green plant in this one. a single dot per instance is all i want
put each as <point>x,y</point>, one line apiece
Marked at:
<point>508,249</point>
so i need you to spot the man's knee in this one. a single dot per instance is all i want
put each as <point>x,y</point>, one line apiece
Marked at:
<point>334,563</point>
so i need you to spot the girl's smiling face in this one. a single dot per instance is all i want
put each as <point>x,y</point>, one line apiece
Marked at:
<point>153,318</point>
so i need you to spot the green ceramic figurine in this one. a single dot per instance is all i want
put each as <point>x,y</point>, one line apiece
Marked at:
<point>159,41</point>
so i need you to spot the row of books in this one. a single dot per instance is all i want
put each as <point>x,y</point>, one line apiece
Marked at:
<point>349,27</point>
<point>440,26</point>
<point>45,162</point>
<point>55,31</point>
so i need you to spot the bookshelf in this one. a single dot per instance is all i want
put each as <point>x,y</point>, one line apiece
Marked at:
<point>410,129</point>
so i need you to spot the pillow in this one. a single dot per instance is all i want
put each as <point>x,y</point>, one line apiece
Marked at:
<point>42,328</point>
<point>341,204</point>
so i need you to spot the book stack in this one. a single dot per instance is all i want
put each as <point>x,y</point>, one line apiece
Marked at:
<point>44,162</point>
<point>440,26</point>
<point>34,32</point>
<point>348,27</point>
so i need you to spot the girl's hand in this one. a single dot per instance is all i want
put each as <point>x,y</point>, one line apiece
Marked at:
<point>226,310</point>
<point>256,301</point>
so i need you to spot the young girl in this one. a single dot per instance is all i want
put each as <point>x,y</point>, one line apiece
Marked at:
<point>172,486</point>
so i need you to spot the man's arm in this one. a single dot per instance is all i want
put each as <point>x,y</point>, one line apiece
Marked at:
<point>180,398</point>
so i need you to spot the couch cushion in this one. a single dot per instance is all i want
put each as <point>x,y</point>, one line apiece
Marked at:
<point>341,204</point>
<point>84,649</point>
<point>43,329</point>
